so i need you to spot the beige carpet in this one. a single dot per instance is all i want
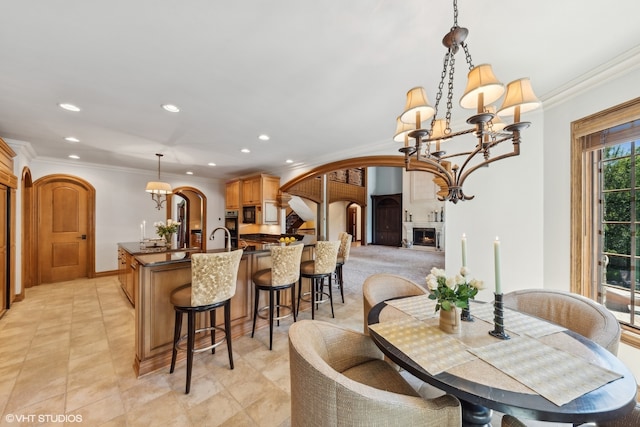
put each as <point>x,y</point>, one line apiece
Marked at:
<point>414,264</point>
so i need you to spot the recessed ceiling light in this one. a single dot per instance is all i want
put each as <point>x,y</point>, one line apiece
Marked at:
<point>211,164</point>
<point>289,161</point>
<point>245,150</point>
<point>171,108</point>
<point>74,156</point>
<point>71,139</point>
<point>263,137</point>
<point>69,107</point>
<point>189,173</point>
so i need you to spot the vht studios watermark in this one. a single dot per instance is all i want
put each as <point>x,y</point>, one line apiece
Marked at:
<point>43,418</point>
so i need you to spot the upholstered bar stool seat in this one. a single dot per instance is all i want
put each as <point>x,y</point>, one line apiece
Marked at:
<point>213,284</point>
<point>283,275</point>
<point>317,270</point>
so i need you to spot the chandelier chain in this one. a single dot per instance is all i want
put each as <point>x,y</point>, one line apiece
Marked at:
<point>455,13</point>
<point>467,55</point>
<point>443,75</point>
<point>452,63</point>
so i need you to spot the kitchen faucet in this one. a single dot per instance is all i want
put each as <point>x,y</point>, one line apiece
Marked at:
<point>227,234</point>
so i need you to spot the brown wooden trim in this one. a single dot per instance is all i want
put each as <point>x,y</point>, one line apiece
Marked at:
<point>596,122</point>
<point>356,162</point>
<point>107,273</point>
<point>581,258</point>
<point>27,238</point>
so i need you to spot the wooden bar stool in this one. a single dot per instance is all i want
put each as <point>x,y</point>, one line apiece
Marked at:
<point>213,283</point>
<point>317,270</point>
<point>343,257</point>
<point>283,274</point>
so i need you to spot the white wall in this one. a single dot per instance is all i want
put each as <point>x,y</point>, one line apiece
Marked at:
<point>508,203</point>
<point>557,171</point>
<point>121,202</point>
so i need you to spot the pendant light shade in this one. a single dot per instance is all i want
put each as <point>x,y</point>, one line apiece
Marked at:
<point>158,189</point>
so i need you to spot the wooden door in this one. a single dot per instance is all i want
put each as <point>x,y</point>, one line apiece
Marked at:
<point>387,220</point>
<point>63,228</point>
<point>5,289</point>
<point>352,221</point>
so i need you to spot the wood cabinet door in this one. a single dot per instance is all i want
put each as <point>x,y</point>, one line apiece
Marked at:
<point>232,199</point>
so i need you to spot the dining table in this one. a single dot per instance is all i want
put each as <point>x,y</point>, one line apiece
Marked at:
<point>542,371</point>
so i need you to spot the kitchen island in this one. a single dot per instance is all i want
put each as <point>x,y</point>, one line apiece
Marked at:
<point>158,273</point>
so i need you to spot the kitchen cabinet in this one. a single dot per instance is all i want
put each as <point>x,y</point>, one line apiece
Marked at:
<point>261,191</point>
<point>127,270</point>
<point>232,199</point>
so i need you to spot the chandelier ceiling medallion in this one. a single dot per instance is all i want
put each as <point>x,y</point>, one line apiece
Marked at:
<point>158,189</point>
<point>483,89</point>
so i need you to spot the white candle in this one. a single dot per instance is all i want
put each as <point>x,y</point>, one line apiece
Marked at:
<point>464,250</point>
<point>496,256</point>
<point>144,228</point>
<point>141,232</point>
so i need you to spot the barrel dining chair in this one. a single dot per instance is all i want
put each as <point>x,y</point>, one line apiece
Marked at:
<point>213,284</point>
<point>573,311</point>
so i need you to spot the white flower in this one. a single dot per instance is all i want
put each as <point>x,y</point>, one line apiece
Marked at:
<point>464,271</point>
<point>460,280</point>
<point>451,282</point>
<point>438,272</point>
<point>432,282</point>
<point>478,284</point>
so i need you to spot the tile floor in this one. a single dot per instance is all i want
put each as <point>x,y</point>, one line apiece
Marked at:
<point>67,354</point>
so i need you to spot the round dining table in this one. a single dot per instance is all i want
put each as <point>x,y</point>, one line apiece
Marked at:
<point>482,387</point>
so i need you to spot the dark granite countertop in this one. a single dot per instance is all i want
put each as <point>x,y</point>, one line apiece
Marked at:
<point>151,256</point>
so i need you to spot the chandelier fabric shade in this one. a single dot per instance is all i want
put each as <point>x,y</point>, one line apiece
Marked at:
<point>158,189</point>
<point>519,99</point>
<point>417,108</point>
<point>482,90</point>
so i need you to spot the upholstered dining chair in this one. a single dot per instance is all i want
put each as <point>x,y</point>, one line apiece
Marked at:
<point>343,257</point>
<point>573,311</point>
<point>511,421</point>
<point>283,274</point>
<point>338,378</point>
<point>631,419</point>
<point>383,286</point>
<point>213,283</point>
<point>318,269</point>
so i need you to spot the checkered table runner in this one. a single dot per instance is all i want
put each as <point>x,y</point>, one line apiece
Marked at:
<point>517,322</point>
<point>420,307</point>
<point>428,346</point>
<point>554,374</point>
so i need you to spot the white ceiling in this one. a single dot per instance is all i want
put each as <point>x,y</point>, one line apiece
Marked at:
<point>325,79</point>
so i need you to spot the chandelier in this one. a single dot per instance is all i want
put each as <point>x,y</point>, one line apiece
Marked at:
<point>483,89</point>
<point>158,188</point>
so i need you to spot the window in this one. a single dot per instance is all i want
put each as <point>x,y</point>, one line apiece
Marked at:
<point>605,212</point>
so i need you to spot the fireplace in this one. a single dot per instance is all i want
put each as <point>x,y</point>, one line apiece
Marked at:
<point>424,236</point>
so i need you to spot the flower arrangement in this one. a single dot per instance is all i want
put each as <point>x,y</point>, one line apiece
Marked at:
<point>453,291</point>
<point>166,230</point>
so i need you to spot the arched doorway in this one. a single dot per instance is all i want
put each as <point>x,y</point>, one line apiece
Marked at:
<point>63,227</point>
<point>189,206</point>
<point>28,245</point>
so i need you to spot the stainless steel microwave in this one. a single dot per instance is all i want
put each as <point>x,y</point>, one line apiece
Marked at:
<point>249,214</point>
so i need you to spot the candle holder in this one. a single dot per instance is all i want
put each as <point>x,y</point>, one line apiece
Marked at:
<point>498,319</point>
<point>466,316</point>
